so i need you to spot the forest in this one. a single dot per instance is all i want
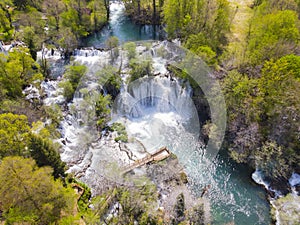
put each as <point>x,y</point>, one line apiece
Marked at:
<point>252,47</point>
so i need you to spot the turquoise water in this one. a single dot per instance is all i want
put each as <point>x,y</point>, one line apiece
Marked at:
<point>233,196</point>
<point>120,26</point>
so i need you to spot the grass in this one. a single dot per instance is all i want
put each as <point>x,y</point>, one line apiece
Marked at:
<point>239,31</point>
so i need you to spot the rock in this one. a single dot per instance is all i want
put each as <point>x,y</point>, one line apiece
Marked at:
<point>281,185</point>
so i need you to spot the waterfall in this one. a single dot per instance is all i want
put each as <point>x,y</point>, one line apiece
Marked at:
<point>160,94</point>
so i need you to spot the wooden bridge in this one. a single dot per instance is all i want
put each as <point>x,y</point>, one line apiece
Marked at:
<point>159,155</point>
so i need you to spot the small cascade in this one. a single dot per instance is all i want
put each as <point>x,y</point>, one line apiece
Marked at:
<point>294,181</point>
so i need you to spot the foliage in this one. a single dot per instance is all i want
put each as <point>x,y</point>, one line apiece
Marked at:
<point>84,200</point>
<point>272,36</point>
<point>288,209</point>
<point>263,122</point>
<point>17,69</point>
<point>29,194</point>
<point>179,209</point>
<point>272,161</point>
<point>43,152</point>
<point>121,131</point>
<point>112,44</point>
<point>198,23</point>
<point>137,204</point>
<point>109,78</point>
<point>144,11</point>
<point>103,110</point>
<point>73,75</point>
<point>130,47</point>
<point>14,135</point>
<point>140,68</point>
<point>6,27</point>
<point>68,90</point>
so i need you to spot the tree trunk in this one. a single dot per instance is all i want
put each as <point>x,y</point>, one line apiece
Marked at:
<point>154,16</point>
<point>106,5</point>
<point>139,7</point>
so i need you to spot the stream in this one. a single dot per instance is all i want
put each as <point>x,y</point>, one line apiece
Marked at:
<point>155,122</point>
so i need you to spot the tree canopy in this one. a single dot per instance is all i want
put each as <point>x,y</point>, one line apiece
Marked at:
<point>29,193</point>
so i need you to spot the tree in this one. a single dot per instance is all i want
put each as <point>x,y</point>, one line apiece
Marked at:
<point>273,36</point>
<point>43,152</point>
<point>179,210</point>
<point>112,44</point>
<point>198,23</point>
<point>130,47</point>
<point>140,68</point>
<point>29,194</point>
<point>17,70</point>
<point>53,9</point>
<point>73,75</point>
<point>106,5</point>
<point>271,159</point>
<point>6,27</point>
<point>68,90</point>
<point>103,110</point>
<point>14,135</point>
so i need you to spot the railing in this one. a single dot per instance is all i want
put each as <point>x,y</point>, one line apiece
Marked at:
<point>147,159</point>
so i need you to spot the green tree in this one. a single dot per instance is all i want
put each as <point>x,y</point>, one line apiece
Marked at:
<point>103,111</point>
<point>6,27</point>
<point>179,210</point>
<point>17,70</point>
<point>130,47</point>
<point>73,75</point>
<point>14,135</point>
<point>43,152</point>
<point>112,44</point>
<point>29,194</point>
<point>140,68</point>
<point>270,158</point>
<point>273,36</point>
<point>68,90</point>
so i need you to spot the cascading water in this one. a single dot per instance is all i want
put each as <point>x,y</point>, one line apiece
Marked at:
<point>154,121</point>
<point>157,111</point>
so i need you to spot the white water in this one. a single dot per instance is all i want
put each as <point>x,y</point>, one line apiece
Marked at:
<point>157,112</point>
<point>294,180</point>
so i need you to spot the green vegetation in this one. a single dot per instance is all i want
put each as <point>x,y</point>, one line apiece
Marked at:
<point>202,25</point>
<point>112,44</point>
<point>140,68</point>
<point>51,22</point>
<point>72,75</point>
<point>17,70</point>
<point>121,131</point>
<point>289,205</point>
<point>258,66</point>
<point>44,153</point>
<point>145,11</point>
<point>29,194</point>
<point>110,80</point>
<point>266,108</point>
<point>103,111</point>
<point>272,36</point>
<point>130,47</point>
<point>14,136</point>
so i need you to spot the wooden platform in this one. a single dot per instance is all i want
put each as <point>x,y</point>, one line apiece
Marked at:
<point>159,155</point>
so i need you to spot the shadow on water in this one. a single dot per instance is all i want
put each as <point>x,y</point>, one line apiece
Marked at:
<point>124,29</point>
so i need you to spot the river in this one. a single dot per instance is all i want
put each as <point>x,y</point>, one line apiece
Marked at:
<point>233,195</point>
<point>120,26</point>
